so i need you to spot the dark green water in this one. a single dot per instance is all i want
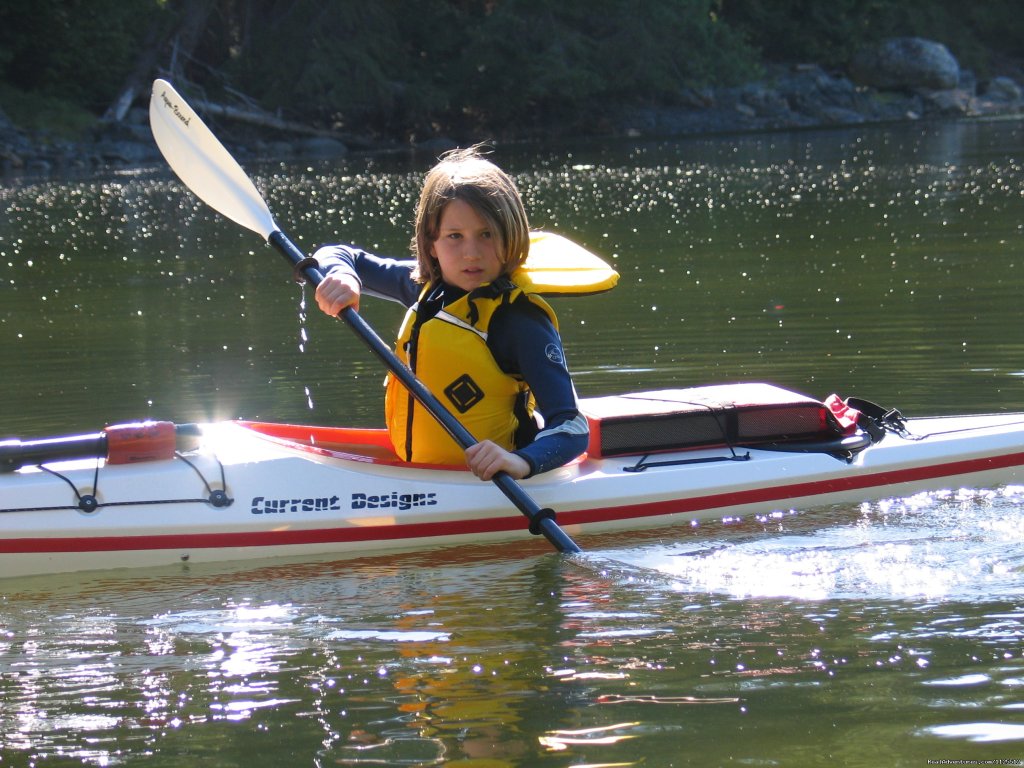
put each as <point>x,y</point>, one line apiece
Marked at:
<point>883,262</point>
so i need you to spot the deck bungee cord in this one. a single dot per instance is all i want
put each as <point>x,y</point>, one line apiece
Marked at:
<point>89,502</point>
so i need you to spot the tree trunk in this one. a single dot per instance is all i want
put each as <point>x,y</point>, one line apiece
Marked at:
<point>194,15</point>
<point>261,119</point>
<point>177,42</point>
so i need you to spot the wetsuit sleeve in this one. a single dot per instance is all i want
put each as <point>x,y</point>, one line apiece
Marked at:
<point>381,277</point>
<point>524,342</point>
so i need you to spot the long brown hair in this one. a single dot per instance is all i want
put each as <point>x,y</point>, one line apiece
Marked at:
<point>464,174</point>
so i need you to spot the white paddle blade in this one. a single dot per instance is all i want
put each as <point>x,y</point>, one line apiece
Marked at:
<point>202,162</point>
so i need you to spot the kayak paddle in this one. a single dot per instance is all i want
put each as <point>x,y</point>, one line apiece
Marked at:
<point>213,175</point>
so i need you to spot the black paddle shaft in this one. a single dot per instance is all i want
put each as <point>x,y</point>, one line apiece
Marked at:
<point>542,521</point>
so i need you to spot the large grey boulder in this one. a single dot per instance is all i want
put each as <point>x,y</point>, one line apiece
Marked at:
<point>1004,89</point>
<point>906,63</point>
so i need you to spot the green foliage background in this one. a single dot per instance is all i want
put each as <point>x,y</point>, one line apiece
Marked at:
<point>416,68</point>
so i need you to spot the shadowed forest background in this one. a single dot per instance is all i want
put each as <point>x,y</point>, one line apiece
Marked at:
<point>409,70</point>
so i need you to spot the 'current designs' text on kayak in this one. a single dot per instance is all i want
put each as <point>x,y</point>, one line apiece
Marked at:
<point>261,505</point>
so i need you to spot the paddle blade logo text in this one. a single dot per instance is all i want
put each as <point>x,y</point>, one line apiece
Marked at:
<point>185,119</point>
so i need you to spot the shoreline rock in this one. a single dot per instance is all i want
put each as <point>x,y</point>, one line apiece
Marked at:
<point>906,63</point>
<point>897,80</point>
<point>807,96</point>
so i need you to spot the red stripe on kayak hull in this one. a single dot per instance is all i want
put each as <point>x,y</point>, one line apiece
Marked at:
<point>476,526</point>
<point>796,490</point>
<point>185,541</point>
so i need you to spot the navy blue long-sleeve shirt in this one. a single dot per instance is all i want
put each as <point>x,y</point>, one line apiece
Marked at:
<point>521,338</point>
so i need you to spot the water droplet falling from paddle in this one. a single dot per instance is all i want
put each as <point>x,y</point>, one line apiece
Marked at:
<point>303,339</point>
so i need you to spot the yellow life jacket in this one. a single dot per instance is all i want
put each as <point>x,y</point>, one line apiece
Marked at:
<point>448,353</point>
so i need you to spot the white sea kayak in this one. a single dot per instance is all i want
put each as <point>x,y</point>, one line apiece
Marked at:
<point>239,490</point>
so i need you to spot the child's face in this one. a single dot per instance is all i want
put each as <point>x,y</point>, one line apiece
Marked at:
<point>466,249</point>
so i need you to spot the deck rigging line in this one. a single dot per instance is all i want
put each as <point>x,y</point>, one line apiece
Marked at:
<point>88,503</point>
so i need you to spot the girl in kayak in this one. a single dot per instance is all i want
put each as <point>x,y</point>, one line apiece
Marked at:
<point>484,346</point>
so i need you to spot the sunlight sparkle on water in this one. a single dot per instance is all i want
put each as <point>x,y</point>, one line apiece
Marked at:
<point>980,732</point>
<point>940,545</point>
